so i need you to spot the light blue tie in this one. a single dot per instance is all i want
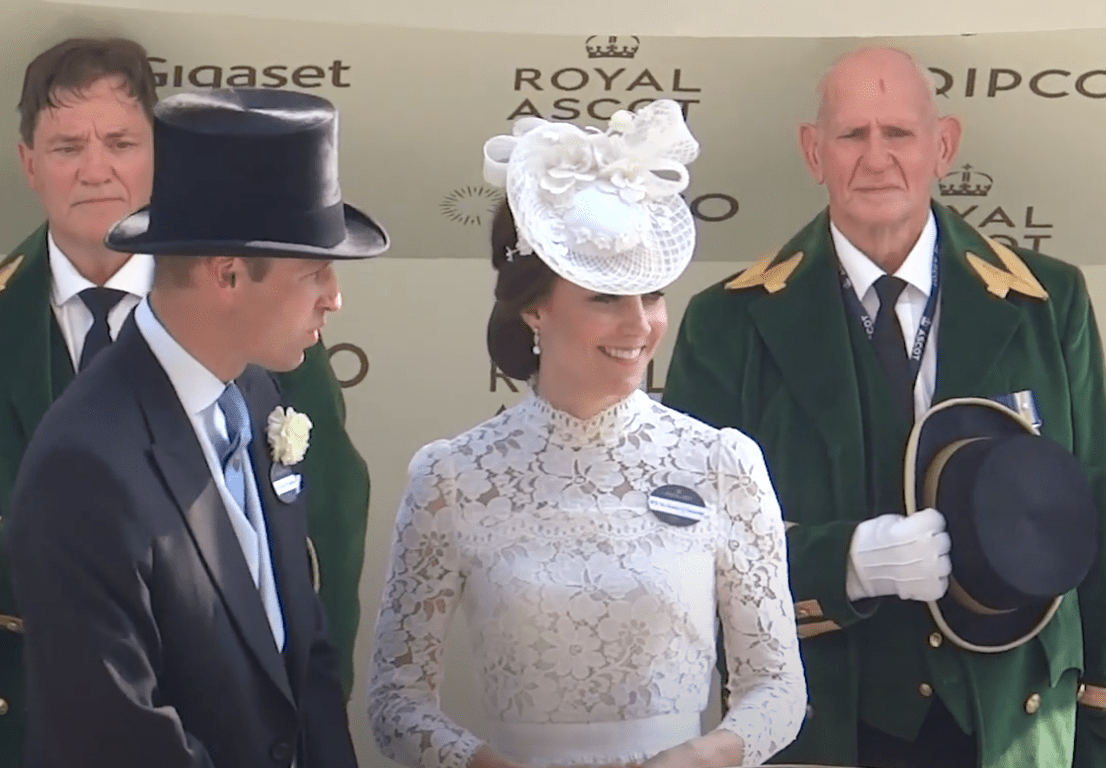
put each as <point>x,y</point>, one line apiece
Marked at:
<point>233,454</point>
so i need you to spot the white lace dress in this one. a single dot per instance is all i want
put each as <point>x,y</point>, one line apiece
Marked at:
<point>592,620</point>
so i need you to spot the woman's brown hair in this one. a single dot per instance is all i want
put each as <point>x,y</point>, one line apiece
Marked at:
<point>522,282</point>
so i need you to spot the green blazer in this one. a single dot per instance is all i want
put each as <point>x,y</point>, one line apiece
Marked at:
<point>782,368</point>
<point>35,368</point>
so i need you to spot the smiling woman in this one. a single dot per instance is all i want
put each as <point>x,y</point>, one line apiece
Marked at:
<point>591,534</point>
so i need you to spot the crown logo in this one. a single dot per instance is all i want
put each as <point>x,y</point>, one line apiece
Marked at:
<point>965,182</point>
<point>612,47</point>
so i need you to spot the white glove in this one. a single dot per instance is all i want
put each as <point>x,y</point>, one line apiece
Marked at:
<point>898,555</point>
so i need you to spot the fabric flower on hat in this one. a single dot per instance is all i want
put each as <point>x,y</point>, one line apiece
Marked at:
<point>569,159</point>
<point>288,432</point>
<point>628,181</point>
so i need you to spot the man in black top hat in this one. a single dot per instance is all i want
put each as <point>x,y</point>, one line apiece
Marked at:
<point>168,609</point>
<point>86,151</point>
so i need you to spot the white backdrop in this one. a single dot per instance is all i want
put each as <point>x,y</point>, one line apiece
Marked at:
<point>698,18</point>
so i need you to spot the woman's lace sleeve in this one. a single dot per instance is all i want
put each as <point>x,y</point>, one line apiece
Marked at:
<point>422,590</point>
<point>767,687</point>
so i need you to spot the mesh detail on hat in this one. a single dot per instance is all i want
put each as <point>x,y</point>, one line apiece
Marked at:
<point>603,210</point>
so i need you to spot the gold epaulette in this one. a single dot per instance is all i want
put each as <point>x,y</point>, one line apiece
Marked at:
<point>773,278</point>
<point>1000,282</point>
<point>9,267</point>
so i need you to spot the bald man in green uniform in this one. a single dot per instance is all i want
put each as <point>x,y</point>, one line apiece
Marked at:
<point>825,351</point>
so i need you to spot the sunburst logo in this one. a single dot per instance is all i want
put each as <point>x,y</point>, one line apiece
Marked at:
<point>471,206</point>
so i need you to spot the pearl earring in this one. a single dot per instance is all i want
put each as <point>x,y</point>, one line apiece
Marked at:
<point>536,349</point>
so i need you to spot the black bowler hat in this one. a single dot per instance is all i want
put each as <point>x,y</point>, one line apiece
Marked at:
<point>1020,514</point>
<point>247,171</point>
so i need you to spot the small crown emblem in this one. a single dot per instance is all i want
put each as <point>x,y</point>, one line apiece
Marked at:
<point>965,182</point>
<point>612,47</point>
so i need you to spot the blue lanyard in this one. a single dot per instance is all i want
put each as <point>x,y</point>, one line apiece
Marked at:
<point>924,327</point>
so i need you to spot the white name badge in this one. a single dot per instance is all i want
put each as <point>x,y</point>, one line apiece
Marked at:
<point>677,505</point>
<point>287,483</point>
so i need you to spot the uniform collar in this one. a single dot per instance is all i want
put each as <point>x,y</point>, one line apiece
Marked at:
<point>135,277</point>
<point>917,270</point>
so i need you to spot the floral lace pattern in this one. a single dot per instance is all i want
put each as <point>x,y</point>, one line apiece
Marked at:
<point>584,606</point>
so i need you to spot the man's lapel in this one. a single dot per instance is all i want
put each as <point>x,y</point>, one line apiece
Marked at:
<point>975,326</point>
<point>287,539</point>
<point>28,340</point>
<point>177,454</point>
<point>804,328</point>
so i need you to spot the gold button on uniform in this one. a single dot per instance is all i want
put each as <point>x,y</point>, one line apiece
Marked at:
<point>925,689</point>
<point>1032,704</point>
<point>935,639</point>
<point>3,707</point>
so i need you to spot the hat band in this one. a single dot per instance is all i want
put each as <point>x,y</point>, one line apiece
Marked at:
<point>321,227</point>
<point>929,499</point>
<point>960,595</point>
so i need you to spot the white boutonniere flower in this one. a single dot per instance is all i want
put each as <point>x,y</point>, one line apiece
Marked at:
<point>288,432</point>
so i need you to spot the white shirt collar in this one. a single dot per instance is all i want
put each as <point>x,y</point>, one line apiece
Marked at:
<point>917,270</point>
<point>197,387</point>
<point>134,277</point>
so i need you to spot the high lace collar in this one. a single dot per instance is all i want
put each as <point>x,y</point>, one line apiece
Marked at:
<point>604,428</point>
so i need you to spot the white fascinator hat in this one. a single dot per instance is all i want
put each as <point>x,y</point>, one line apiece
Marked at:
<point>601,208</point>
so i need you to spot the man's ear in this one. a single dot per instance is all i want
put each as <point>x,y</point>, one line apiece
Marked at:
<point>949,130</point>
<point>222,271</point>
<point>27,163</point>
<point>808,143</point>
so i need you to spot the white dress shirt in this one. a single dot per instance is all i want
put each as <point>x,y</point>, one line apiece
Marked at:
<point>198,389</point>
<point>917,271</point>
<point>135,277</point>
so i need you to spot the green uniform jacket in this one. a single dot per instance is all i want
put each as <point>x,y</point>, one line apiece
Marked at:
<point>781,367</point>
<point>35,368</point>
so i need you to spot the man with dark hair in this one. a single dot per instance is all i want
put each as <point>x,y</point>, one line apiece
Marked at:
<point>166,587</point>
<point>86,150</point>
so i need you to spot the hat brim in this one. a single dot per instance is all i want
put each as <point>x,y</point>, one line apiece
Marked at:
<point>947,422</point>
<point>652,264</point>
<point>364,239</point>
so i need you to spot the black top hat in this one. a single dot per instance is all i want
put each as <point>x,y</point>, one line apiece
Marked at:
<point>1019,511</point>
<point>247,171</point>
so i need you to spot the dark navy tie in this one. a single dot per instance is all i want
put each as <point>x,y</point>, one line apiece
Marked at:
<point>100,301</point>
<point>889,343</point>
